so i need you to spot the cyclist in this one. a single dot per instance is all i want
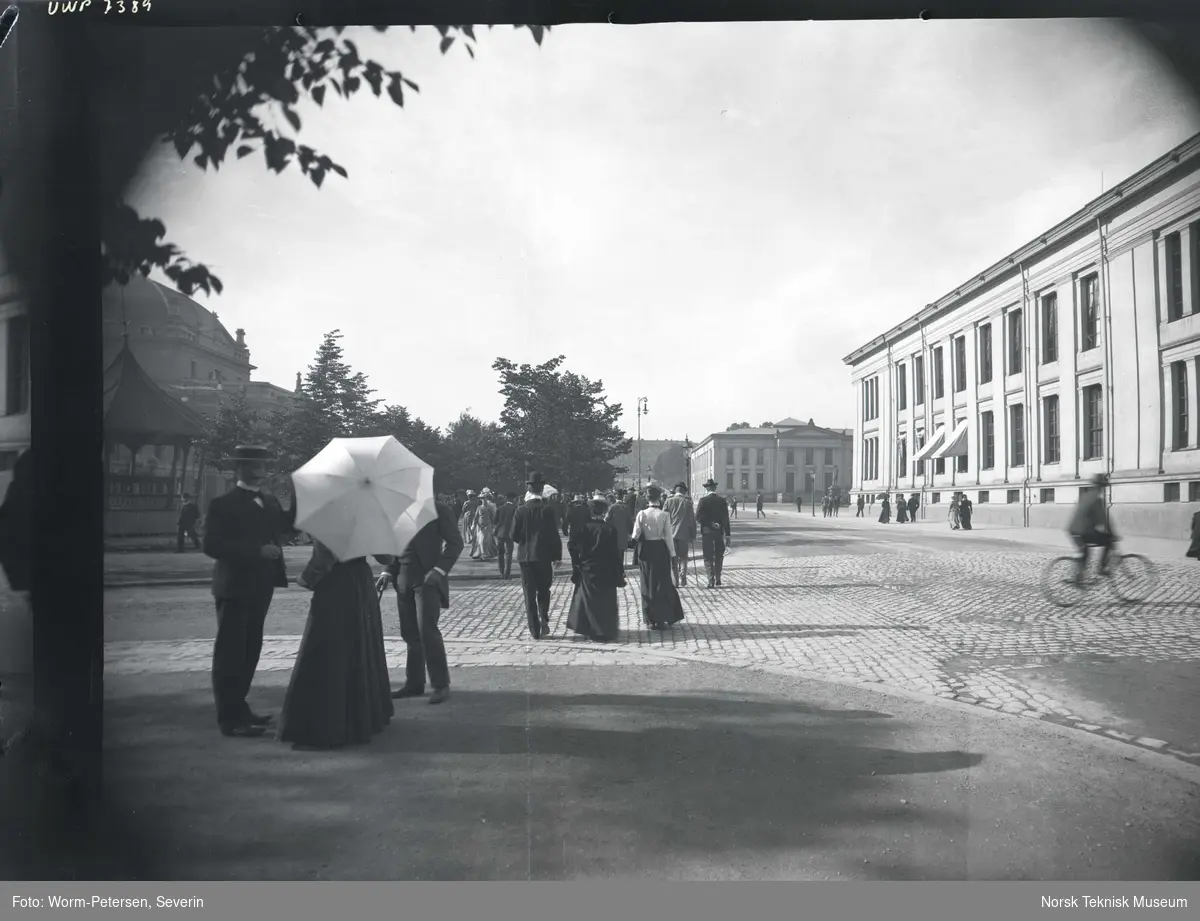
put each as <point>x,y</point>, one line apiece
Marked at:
<point>1091,527</point>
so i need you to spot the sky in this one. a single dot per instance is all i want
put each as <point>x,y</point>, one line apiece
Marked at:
<point>711,216</point>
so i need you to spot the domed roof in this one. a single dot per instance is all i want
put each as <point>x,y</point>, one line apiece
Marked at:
<point>144,302</point>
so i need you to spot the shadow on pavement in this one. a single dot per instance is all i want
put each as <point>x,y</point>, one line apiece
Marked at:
<point>513,783</point>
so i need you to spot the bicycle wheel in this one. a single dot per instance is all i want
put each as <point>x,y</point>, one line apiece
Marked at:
<point>1133,578</point>
<point>1058,582</point>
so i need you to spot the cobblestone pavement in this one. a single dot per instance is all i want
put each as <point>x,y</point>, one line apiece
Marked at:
<point>955,625</point>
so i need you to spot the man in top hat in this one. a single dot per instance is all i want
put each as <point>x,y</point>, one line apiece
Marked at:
<point>421,575</point>
<point>245,532</point>
<point>535,528</point>
<point>712,515</point>
<point>683,531</point>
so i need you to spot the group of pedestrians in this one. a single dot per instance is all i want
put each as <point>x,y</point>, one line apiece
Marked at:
<point>339,691</point>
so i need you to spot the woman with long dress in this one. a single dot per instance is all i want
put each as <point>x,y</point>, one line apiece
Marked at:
<point>339,693</point>
<point>598,570</point>
<point>466,523</point>
<point>953,513</point>
<point>655,543</point>
<point>901,510</point>
<point>965,508</point>
<point>885,511</point>
<point>483,526</point>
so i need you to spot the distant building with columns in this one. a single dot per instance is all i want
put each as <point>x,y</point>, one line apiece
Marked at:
<point>1005,388</point>
<point>787,461</point>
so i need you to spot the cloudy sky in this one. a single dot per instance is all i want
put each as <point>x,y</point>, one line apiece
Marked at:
<point>709,215</point>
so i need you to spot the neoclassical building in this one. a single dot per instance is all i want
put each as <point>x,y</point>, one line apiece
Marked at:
<point>1005,388</point>
<point>787,461</point>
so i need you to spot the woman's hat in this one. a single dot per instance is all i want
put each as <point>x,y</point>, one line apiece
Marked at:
<point>250,454</point>
<point>710,483</point>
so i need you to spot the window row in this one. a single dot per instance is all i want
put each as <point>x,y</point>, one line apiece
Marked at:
<point>741,482</point>
<point>1091,405</point>
<point>1175,274</point>
<point>790,457</point>
<point>1014,319</point>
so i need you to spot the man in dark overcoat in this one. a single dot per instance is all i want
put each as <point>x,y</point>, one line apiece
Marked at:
<point>421,575</point>
<point>535,528</point>
<point>712,516</point>
<point>244,532</point>
<point>189,514</point>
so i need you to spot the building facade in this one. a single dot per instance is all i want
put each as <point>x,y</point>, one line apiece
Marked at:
<point>185,350</point>
<point>789,461</point>
<point>1005,388</point>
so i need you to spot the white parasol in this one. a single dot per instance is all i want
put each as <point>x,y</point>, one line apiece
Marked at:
<point>363,496</point>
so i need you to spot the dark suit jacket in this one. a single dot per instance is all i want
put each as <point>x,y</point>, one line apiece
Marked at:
<point>536,527</point>
<point>438,544</point>
<point>505,516</point>
<point>712,514</point>
<point>235,531</point>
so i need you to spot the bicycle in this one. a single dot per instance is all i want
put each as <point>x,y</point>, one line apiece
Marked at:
<point>1131,577</point>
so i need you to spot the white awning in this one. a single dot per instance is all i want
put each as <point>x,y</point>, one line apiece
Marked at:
<point>956,444</point>
<point>938,439</point>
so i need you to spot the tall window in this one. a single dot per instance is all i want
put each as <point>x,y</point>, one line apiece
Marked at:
<point>985,353</point>
<point>871,399</point>
<point>939,380</point>
<point>960,364</point>
<point>902,455</point>
<point>1016,342</point>
<point>745,457</point>
<point>960,461</point>
<point>919,380</point>
<point>1089,312</point>
<point>987,441</point>
<point>901,387</point>
<point>758,481</point>
<point>1049,328</point>
<point>1093,422</point>
<point>918,444</point>
<point>1050,447</point>
<point>1174,277</point>
<point>791,457</point>
<point>1016,435</point>
<point>761,459</point>
<point>1179,384</point>
<point>729,481</point>
<point>745,481</point>
<point>808,456</point>
<point>729,457</point>
<point>17,383</point>
<point>829,457</point>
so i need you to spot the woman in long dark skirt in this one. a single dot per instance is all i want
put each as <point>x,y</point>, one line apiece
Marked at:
<point>339,693</point>
<point>598,570</point>
<point>965,509</point>
<point>901,510</point>
<point>654,538</point>
<point>885,511</point>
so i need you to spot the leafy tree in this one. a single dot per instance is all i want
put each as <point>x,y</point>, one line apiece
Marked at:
<point>560,423</point>
<point>334,402</point>
<point>475,455</point>
<point>227,87</point>
<point>237,422</point>
<point>766,425</point>
<point>738,425</point>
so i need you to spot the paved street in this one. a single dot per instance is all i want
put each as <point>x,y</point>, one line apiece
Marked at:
<point>916,608</point>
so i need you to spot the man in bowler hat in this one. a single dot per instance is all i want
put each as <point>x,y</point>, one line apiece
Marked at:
<point>712,515</point>
<point>421,575</point>
<point>245,532</point>
<point>535,527</point>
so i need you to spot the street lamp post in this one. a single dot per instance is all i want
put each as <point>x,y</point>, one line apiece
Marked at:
<point>642,409</point>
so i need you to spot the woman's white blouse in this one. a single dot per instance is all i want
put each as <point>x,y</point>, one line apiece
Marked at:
<point>654,524</point>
